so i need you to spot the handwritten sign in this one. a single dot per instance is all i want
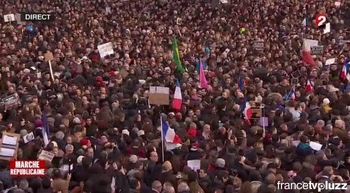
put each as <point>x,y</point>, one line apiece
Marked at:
<point>159,95</point>
<point>45,155</point>
<point>11,100</point>
<point>317,50</point>
<point>258,45</point>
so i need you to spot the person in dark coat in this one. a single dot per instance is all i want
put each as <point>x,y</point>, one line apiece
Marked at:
<point>152,168</point>
<point>167,174</point>
<point>303,148</point>
<point>45,186</point>
<point>79,173</point>
<point>193,153</point>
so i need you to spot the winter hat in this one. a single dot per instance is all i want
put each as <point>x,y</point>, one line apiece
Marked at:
<point>141,133</point>
<point>220,163</point>
<point>76,120</point>
<point>192,132</point>
<point>54,143</point>
<point>99,79</point>
<point>133,159</point>
<point>80,159</point>
<point>125,132</point>
<point>38,123</point>
<point>84,142</point>
<point>194,146</point>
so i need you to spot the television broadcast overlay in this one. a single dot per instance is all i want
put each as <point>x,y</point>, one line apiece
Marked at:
<point>27,168</point>
<point>37,17</point>
<point>321,20</point>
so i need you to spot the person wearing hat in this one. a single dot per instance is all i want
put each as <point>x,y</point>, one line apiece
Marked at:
<point>193,153</point>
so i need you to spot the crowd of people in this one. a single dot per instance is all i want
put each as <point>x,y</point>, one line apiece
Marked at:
<point>101,122</point>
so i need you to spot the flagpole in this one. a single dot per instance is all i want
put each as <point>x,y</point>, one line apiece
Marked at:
<point>162,137</point>
<point>263,115</point>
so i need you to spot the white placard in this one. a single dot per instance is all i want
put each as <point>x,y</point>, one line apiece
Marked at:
<point>330,61</point>
<point>158,90</point>
<point>105,49</point>
<point>315,146</point>
<point>46,155</point>
<point>9,140</point>
<point>159,95</point>
<point>108,10</point>
<point>18,19</point>
<point>310,43</point>
<point>327,29</point>
<point>194,164</point>
<point>223,1</point>
<point>7,152</point>
<point>29,137</point>
<point>9,18</point>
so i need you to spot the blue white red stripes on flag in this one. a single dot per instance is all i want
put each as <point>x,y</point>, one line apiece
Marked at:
<point>168,134</point>
<point>247,112</point>
<point>45,130</point>
<point>177,101</point>
<point>309,86</point>
<point>291,94</point>
<point>344,74</point>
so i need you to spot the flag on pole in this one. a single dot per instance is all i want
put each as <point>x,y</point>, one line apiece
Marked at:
<point>168,134</point>
<point>177,101</point>
<point>304,23</point>
<point>202,79</point>
<point>198,65</point>
<point>207,50</point>
<point>45,130</point>
<point>176,57</point>
<point>240,83</point>
<point>307,57</point>
<point>309,86</point>
<point>291,94</point>
<point>247,112</point>
<point>344,74</point>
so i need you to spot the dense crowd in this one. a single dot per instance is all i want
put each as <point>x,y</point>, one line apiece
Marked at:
<point>101,121</point>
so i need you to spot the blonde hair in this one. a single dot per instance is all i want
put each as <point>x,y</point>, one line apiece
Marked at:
<point>259,145</point>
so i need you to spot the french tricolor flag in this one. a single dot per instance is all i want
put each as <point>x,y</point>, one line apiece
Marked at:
<point>247,112</point>
<point>344,74</point>
<point>168,134</point>
<point>177,101</point>
<point>309,86</point>
<point>45,129</point>
<point>291,94</point>
<point>306,51</point>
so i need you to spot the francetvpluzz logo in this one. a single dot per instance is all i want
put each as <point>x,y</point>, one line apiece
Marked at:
<point>37,17</point>
<point>311,186</point>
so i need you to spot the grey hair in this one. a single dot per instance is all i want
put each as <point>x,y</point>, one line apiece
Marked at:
<point>183,187</point>
<point>69,146</point>
<point>169,189</point>
<point>59,135</point>
<point>23,184</point>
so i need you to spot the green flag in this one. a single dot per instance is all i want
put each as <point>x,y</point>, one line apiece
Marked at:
<point>176,57</point>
